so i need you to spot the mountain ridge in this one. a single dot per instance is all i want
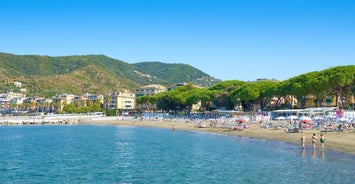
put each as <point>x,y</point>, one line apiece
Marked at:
<point>90,74</point>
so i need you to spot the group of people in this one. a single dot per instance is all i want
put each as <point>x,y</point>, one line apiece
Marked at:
<point>314,140</point>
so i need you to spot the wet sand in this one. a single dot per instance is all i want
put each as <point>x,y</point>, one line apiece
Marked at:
<point>339,141</point>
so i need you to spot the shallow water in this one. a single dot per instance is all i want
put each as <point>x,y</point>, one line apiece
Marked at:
<point>125,154</point>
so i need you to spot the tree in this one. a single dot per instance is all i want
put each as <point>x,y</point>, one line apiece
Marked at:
<point>69,108</point>
<point>222,99</point>
<point>296,87</point>
<point>229,85</point>
<point>107,102</point>
<point>318,82</point>
<point>253,94</point>
<point>144,101</point>
<point>222,93</point>
<point>341,80</point>
<point>202,95</point>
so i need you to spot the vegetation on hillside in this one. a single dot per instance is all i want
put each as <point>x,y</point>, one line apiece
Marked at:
<point>47,76</point>
<point>177,73</point>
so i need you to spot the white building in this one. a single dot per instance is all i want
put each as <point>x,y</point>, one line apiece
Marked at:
<point>150,90</point>
<point>17,84</point>
<point>124,100</point>
<point>94,97</point>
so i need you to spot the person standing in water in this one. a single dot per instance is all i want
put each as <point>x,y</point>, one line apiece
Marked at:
<point>322,141</point>
<point>303,140</point>
<point>314,140</point>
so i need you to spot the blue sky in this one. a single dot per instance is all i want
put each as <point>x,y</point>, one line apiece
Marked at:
<point>227,39</point>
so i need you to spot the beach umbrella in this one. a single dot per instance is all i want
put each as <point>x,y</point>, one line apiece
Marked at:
<point>240,120</point>
<point>318,118</point>
<point>343,119</point>
<point>330,116</point>
<point>280,118</point>
<point>306,120</point>
<point>292,117</point>
<point>304,117</point>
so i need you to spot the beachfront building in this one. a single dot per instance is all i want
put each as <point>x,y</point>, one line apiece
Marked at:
<point>7,98</point>
<point>94,97</point>
<point>80,100</point>
<point>122,100</point>
<point>4,105</point>
<point>30,104</point>
<point>149,90</point>
<point>63,99</point>
<point>43,104</point>
<point>328,101</point>
<point>66,98</point>
<point>11,95</point>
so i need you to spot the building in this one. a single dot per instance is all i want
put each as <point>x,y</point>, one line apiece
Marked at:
<point>12,95</point>
<point>61,100</point>
<point>94,97</point>
<point>175,86</point>
<point>17,84</point>
<point>328,101</point>
<point>7,98</point>
<point>4,105</point>
<point>123,100</point>
<point>150,90</point>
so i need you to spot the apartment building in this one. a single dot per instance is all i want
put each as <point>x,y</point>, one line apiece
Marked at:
<point>123,100</point>
<point>150,90</point>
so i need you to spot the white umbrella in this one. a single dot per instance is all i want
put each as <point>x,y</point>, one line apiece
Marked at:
<point>304,118</point>
<point>330,116</point>
<point>292,117</point>
<point>280,118</point>
<point>343,119</point>
<point>318,118</point>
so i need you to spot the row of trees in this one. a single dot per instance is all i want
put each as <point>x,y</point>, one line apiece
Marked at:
<point>36,106</point>
<point>75,107</point>
<point>337,81</point>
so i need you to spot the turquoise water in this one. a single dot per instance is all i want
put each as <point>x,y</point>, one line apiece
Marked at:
<point>124,154</point>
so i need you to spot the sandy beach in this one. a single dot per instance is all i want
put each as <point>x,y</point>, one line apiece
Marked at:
<point>338,141</point>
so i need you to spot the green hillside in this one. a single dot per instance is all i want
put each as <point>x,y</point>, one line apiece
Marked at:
<point>45,75</point>
<point>177,73</point>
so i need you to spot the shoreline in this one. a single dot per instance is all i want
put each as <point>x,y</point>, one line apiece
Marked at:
<point>337,141</point>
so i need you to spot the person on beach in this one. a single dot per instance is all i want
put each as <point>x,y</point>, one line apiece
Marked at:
<point>314,140</point>
<point>322,141</point>
<point>303,140</point>
<point>340,113</point>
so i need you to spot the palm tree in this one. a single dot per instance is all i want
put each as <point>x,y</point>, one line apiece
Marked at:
<point>107,101</point>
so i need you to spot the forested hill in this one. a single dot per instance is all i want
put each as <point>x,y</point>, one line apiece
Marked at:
<point>90,74</point>
<point>176,73</point>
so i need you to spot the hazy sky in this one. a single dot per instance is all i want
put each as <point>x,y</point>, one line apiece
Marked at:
<point>227,39</point>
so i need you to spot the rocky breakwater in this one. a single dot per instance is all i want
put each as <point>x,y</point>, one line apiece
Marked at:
<point>38,120</point>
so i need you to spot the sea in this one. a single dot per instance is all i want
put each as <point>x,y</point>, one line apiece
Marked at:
<point>129,154</point>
